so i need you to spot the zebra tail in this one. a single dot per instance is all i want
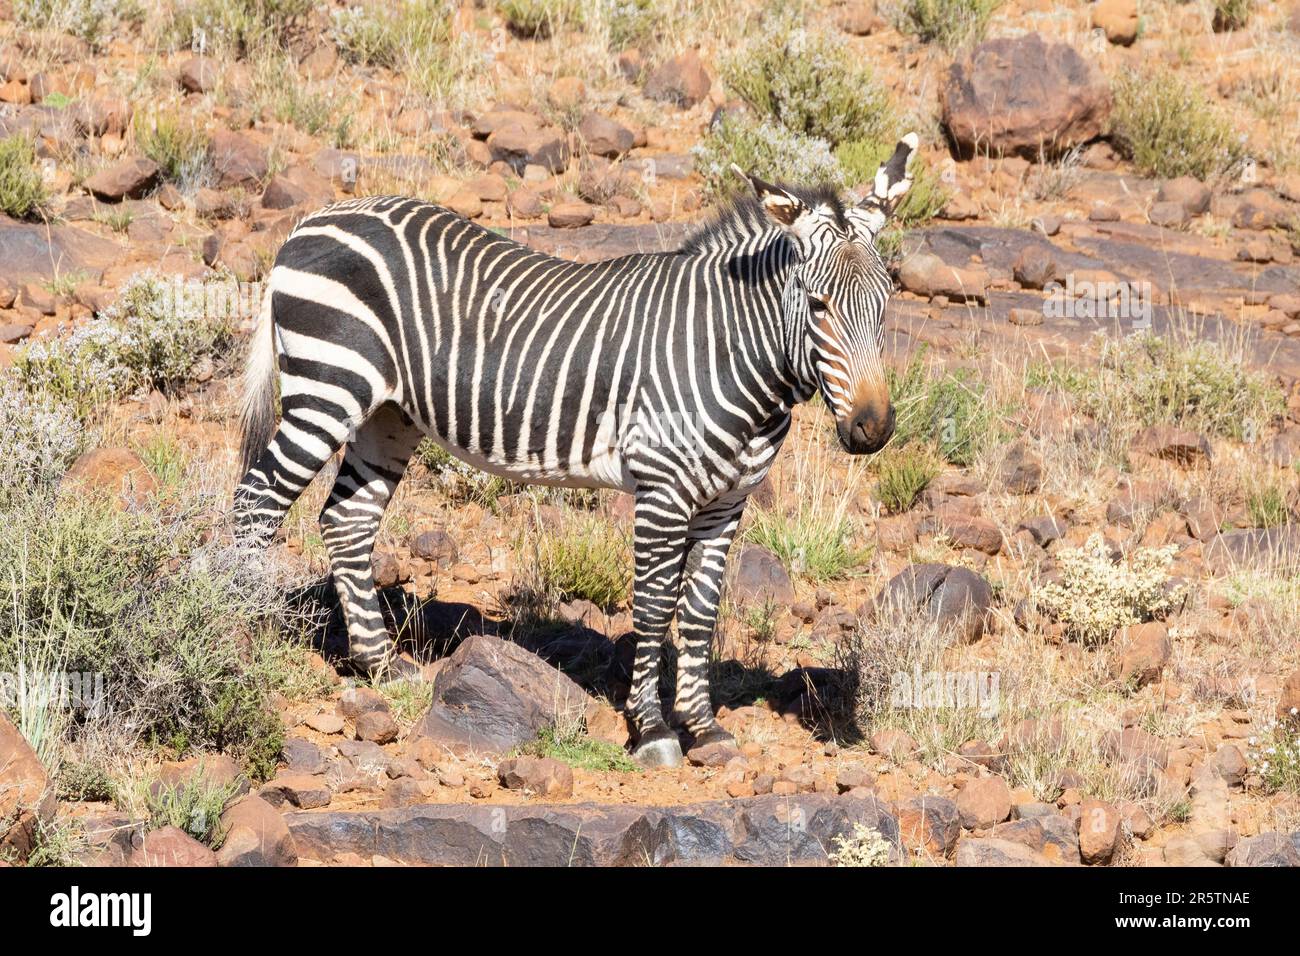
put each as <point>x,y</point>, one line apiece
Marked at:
<point>257,408</point>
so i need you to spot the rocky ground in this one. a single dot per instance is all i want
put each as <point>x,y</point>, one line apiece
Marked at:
<point>1167,741</point>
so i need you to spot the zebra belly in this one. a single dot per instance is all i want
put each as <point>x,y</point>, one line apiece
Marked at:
<point>606,470</point>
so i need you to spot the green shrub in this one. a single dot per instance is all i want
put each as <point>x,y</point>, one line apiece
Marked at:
<point>1168,127</point>
<point>42,438</point>
<point>1275,755</point>
<point>183,630</point>
<point>539,19</point>
<point>382,35</point>
<point>460,481</point>
<point>236,26</point>
<point>765,149</point>
<point>572,746</point>
<point>905,472</point>
<point>585,557</point>
<point>949,23</point>
<point>88,20</point>
<point>635,23</point>
<point>195,807</point>
<point>22,189</point>
<point>950,411</point>
<point>811,83</point>
<point>148,338</point>
<point>180,148</point>
<point>1266,505</point>
<point>813,540</point>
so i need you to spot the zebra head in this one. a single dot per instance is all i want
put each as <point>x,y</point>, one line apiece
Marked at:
<point>837,293</point>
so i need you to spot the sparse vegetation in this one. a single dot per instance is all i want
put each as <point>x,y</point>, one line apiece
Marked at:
<point>949,23</point>
<point>585,557</point>
<point>379,34</point>
<point>572,746</point>
<point>538,19</point>
<point>1166,125</point>
<point>195,807</point>
<point>22,190</point>
<point>950,410</point>
<point>177,145</point>
<point>1178,379</point>
<point>904,473</point>
<point>809,82</point>
<point>1232,14</point>
<point>864,847</point>
<point>1275,756</point>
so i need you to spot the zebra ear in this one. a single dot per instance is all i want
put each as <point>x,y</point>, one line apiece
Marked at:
<point>784,209</point>
<point>893,178</point>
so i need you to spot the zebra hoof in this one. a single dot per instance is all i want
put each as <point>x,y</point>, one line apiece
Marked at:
<point>658,752</point>
<point>395,670</point>
<point>714,735</point>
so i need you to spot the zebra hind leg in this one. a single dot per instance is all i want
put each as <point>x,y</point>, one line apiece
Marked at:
<point>372,468</point>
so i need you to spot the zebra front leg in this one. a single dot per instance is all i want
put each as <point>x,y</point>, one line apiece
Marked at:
<point>711,532</point>
<point>374,464</point>
<point>659,553</point>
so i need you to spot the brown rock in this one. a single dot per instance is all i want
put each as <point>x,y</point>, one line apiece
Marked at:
<point>377,726</point>
<point>238,159</point>
<point>570,215</point>
<point>542,775</point>
<point>524,203</point>
<point>1021,471</point>
<point>1100,831</point>
<point>1035,267</point>
<point>928,275</point>
<point>1188,192</point>
<point>1119,20</point>
<point>604,137</point>
<point>1288,704</point>
<point>567,93</point>
<point>1144,651</point>
<point>304,791</point>
<point>256,835</point>
<point>171,846</point>
<point>682,81</point>
<point>26,798</point>
<point>991,851</point>
<point>1172,444</point>
<point>984,802</point>
<point>198,74</point>
<point>435,545</point>
<point>127,180</point>
<point>1021,95</point>
<point>930,824</point>
<point>860,18</point>
<point>117,472</point>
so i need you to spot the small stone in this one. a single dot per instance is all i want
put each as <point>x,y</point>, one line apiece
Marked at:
<point>893,743</point>
<point>682,81</point>
<point>542,775</point>
<point>1100,831</point>
<point>377,726</point>
<point>304,791</point>
<point>1144,651</point>
<point>355,701</point>
<point>171,846</point>
<point>325,723</point>
<point>984,802</point>
<point>570,215</point>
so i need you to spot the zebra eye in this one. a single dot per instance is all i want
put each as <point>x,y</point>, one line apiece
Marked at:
<point>817,305</point>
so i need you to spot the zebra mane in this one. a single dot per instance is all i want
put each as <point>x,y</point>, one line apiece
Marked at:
<point>743,218</point>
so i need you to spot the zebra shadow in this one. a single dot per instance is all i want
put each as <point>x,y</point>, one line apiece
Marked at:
<point>429,629</point>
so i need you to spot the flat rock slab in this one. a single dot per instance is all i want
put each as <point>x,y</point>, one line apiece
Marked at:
<point>34,252</point>
<point>758,831</point>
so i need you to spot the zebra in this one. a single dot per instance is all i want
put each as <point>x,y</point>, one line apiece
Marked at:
<point>391,319</point>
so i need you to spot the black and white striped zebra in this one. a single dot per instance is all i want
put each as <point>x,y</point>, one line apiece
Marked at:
<point>392,319</point>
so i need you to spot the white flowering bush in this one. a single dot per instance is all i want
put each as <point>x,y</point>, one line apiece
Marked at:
<point>88,19</point>
<point>766,149</point>
<point>149,338</point>
<point>41,438</point>
<point>1274,754</point>
<point>811,83</point>
<point>865,846</point>
<point>1096,595</point>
